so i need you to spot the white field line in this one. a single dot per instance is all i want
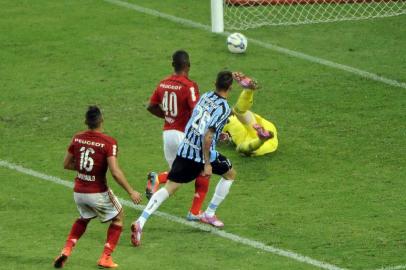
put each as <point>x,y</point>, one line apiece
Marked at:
<point>221,233</point>
<point>266,45</point>
<point>397,267</point>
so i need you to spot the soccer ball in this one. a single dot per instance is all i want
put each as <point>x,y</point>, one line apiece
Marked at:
<point>237,43</point>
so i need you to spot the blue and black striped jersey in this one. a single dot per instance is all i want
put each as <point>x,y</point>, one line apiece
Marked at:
<point>212,111</point>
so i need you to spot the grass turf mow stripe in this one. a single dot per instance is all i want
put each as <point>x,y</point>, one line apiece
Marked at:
<point>221,233</point>
<point>266,45</point>
<point>398,267</point>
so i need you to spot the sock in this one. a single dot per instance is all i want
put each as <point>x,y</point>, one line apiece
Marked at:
<point>244,102</point>
<point>159,197</point>
<point>242,110</point>
<point>201,188</point>
<point>247,147</point>
<point>78,229</point>
<point>222,189</point>
<point>113,235</point>
<point>163,177</point>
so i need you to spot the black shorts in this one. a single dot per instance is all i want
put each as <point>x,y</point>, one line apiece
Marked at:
<point>186,170</point>
<point>221,165</point>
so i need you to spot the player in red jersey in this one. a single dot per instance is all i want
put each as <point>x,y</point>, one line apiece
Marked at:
<point>174,100</point>
<point>91,153</point>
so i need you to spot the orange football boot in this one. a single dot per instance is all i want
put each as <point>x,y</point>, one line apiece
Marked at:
<point>106,261</point>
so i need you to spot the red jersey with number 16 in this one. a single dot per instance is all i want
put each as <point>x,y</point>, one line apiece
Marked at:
<point>90,150</point>
<point>177,95</point>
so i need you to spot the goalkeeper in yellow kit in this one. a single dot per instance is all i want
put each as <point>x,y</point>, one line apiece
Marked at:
<point>252,134</point>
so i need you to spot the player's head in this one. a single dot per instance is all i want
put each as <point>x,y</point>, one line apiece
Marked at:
<point>94,117</point>
<point>224,81</point>
<point>180,61</point>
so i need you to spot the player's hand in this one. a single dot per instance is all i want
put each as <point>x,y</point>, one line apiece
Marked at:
<point>207,170</point>
<point>224,137</point>
<point>135,197</point>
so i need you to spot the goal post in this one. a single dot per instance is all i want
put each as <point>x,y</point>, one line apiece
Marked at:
<point>217,17</point>
<point>244,14</point>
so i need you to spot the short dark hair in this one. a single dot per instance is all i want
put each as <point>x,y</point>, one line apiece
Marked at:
<point>94,117</point>
<point>224,80</point>
<point>180,60</point>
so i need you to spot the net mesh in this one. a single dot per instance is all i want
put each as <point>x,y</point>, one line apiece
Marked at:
<point>244,14</point>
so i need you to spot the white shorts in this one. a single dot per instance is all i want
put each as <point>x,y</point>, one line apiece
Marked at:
<point>172,139</point>
<point>104,205</point>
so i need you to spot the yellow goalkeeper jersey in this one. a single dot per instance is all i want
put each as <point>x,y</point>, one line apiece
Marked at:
<point>241,133</point>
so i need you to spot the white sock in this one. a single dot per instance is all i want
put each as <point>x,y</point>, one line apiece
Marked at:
<point>159,197</point>
<point>222,189</point>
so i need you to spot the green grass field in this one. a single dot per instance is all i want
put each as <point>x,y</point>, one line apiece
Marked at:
<point>334,191</point>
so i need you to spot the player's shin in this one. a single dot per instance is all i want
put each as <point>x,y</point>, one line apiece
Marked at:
<point>159,197</point>
<point>222,189</point>
<point>245,101</point>
<point>201,188</point>
<point>78,229</point>
<point>113,236</point>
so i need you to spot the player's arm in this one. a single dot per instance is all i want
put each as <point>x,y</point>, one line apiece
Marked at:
<point>120,178</point>
<point>193,96</point>
<point>154,106</point>
<point>207,140</point>
<point>69,162</point>
<point>156,110</point>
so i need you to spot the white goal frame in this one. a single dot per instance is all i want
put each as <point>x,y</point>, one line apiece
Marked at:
<point>217,16</point>
<point>255,13</point>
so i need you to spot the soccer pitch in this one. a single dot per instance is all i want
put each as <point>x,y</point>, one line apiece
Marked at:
<point>333,193</point>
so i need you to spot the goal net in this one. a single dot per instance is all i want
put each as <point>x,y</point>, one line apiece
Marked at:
<point>243,14</point>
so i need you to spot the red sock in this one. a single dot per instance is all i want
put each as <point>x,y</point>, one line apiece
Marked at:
<point>201,188</point>
<point>113,235</point>
<point>78,229</point>
<point>163,177</point>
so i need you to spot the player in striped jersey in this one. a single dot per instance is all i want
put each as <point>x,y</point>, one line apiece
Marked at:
<point>197,153</point>
<point>211,107</point>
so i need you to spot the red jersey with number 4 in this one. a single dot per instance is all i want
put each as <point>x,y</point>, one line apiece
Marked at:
<point>177,95</point>
<point>90,150</point>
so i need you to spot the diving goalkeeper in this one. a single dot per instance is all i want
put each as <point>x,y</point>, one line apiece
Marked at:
<point>252,134</point>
